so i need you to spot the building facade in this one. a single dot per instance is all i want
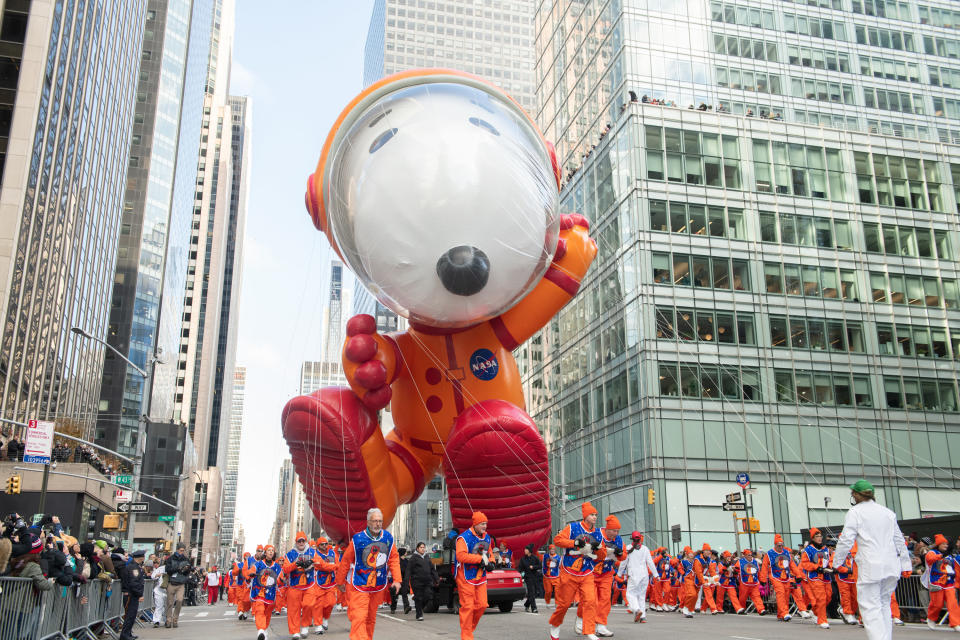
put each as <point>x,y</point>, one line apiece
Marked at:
<point>228,523</point>
<point>776,289</point>
<point>493,40</point>
<point>68,82</point>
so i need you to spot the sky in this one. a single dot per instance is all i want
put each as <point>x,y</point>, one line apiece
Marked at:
<point>301,62</point>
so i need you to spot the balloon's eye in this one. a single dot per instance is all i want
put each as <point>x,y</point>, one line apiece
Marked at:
<point>382,139</point>
<point>379,118</point>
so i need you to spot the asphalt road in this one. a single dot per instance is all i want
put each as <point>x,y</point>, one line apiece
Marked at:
<point>219,622</point>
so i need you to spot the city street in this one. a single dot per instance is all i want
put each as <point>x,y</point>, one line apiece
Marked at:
<point>218,622</point>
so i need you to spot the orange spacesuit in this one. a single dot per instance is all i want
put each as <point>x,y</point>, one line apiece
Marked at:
<point>473,549</point>
<point>780,569</point>
<point>449,386</point>
<point>583,549</point>
<point>362,573</point>
<point>325,589</point>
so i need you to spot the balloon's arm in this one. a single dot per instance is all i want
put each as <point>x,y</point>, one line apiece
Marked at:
<point>348,558</point>
<point>371,361</point>
<point>563,540</point>
<point>575,252</point>
<point>464,556</point>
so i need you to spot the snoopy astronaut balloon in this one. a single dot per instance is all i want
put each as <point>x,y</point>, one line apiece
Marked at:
<point>440,194</point>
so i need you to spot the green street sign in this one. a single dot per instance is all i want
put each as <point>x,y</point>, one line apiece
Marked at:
<point>165,518</point>
<point>570,496</point>
<point>124,480</point>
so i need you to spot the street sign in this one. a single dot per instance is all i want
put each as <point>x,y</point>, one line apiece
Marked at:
<point>165,518</point>
<point>123,495</point>
<point>125,480</point>
<point>675,533</point>
<point>134,507</point>
<point>751,491</point>
<point>743,479</point>
<point>734,506</point>
<point>39,442</point>
<point>735,497</point>
<point>570,496</point>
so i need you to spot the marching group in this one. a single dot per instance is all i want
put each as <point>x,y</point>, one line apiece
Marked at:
<point>588,567</point>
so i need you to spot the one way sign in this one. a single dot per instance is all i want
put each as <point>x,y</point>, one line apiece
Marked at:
<point>134,507</point>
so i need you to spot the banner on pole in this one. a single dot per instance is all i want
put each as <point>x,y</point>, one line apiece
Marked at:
<point>38,445</point>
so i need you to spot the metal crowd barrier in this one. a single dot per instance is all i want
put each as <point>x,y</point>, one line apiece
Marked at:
<point>911,595</point>
<point>79,612</point>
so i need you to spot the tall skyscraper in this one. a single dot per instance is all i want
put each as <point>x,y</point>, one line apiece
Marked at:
<point>776,289</point>
<point>153,248</point>
<point>491,40</point>
<point>228,526</point>
<point>68,83</point>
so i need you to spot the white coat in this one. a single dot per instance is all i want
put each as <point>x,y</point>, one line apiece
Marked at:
<point>881,550</point>
<point>635,564</point>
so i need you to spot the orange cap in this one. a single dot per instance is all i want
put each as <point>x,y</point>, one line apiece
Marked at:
<point>813,531</point>
<point>687,550</point>
<point>478,517</point>
<point>259,547</point>
<point>268,547</point>
<point>322,540</point>
<point>612,522</point>
<point>706,547</point>
<point>939,539</point>
<point>778,539</point>
<point>587,509</point>
<point>300,536</point>
<point>746,551</point>
<point>727,554</point>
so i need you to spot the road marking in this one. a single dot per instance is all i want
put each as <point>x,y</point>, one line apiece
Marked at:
<point>203,614</point>
<point>391,617</point>
<point>229,613</point>
<point>745,638</point>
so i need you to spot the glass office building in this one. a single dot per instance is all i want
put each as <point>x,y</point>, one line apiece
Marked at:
<point>67,90</point>
<point>153,249</point>
<point>773,188</point>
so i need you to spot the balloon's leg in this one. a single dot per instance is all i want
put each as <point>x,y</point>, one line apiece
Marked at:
<point>341,457</point>
<point>496,463</point>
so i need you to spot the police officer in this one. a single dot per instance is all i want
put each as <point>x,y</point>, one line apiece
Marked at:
<point>132,584</point>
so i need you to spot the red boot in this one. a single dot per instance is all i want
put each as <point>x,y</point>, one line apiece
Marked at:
<point>324,431</point>
<point>496,463</point>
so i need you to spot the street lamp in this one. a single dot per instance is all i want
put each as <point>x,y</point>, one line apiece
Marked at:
<point>142,420</point>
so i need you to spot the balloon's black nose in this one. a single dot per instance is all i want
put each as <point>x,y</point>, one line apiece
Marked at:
<point>464,270</point>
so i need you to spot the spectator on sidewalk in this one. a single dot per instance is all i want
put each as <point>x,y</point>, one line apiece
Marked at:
<point>178,571</point>
<point>422,575</point>
<point>159,575</point>
<point>132,584</point>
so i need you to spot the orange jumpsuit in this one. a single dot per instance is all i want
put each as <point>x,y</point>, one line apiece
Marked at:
<point>728,587</point>
<point>325,591</point>
<point>551,575</point>
<point>710,579</point>
<point>603,577</point>
<point>300,598</point>
<point>263,595</point>
<point>576,573</point>
<point>818,592</point>
<point>748,574</point>
<point>471,580</point>
<point>847,584</point>
<point>243,587</point>
<point>364,579</point>
<point>692,578</point>
<point>943,574</point>
<point>780,570</point>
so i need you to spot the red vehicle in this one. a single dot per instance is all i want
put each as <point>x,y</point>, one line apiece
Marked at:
<point>504,587</point>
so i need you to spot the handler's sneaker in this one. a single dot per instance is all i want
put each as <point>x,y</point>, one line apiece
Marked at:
<point>603,632</point>
<point>805,614</point>
<point>898,622</point>
<point>787,618</point>
<point>824,625</point>
<point>318,630</point>
<point>296,636</point>
<point>849,619</point>
<point>555,633</point>
<point>931,624</point>
<point>578,627</point>
<point>261,635</point>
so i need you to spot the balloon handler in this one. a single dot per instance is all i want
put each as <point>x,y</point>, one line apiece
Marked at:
<point>441,195</point>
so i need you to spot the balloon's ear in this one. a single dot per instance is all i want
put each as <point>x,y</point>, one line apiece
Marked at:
<point>553,161</point>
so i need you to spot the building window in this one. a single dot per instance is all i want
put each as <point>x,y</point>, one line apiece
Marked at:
<point>697,219</point>
<point>888,100</point>
<point>818,58</point>
<point>886,38</point>
<point>890,69</point>
<point>692,157</point>
<point>809,281</point>
<point>723,327</point>
<point>707,272</point>
<point>944,47</point>
<point>755,49</point>
<point>709,382</point>
<point>822,90</point>
<point>806,231</point>
<point>939,17</point>
<point>917,341</point>
<point>913,290</point>
<point>800,170</point>
<point>899,240</point>
<point>816,333</point>
<point>822,388</point>
<point>897,181</point>
<point>749,80</point>
<point>814,27</point>
<point>744,16</point>
<point>920,394</point>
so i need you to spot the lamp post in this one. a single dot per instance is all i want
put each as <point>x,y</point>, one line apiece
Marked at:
<point>141,421</point>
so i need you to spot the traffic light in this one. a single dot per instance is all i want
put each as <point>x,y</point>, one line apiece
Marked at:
<point>13,485</point>
<point>92,518</point>
<point>651,496</point>
<point>112,521</point>
<point>751,525</point>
